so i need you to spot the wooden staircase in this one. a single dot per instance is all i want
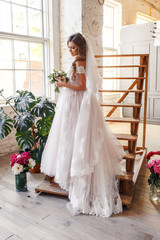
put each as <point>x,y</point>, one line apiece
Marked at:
<point>128,181</point>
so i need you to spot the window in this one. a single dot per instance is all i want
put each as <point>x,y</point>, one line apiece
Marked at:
<point>111,30</point>
<point>23,46</point>
<point>143,18</point>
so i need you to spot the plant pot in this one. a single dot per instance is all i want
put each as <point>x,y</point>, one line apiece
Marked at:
<point>36,169</point>
<point>21,182</point>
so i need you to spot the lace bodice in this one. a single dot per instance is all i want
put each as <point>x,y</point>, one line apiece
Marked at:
<point>80,69</point>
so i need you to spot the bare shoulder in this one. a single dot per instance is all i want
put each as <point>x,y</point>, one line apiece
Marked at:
<point>81,63</point>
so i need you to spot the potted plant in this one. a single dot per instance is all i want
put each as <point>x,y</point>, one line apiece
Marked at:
<point>32,121</point>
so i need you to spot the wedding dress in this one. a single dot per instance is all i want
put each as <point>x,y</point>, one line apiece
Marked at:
<point>81,151</point>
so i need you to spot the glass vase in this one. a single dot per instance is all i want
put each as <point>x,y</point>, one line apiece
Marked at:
<point>21,182</point>
<point>153,193</point>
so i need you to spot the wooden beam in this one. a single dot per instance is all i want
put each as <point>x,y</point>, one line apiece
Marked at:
<point>122,98</point>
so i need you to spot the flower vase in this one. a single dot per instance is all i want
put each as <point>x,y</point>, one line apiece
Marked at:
<point>153,194</point>
<point>21,182</point>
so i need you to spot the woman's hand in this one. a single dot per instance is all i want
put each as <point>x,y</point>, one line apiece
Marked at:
<point>60,83</point>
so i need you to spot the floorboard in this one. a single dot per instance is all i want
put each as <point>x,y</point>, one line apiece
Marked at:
<point>30,216</point>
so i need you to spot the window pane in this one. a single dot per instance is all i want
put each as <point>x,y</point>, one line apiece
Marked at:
<point>36,83</point>
<point>109,72</point>
<point>35,55</point>
<point>34,3</point>
<point>5,17</point>
<point>6,83</point>
<point>21,54</point>
<point>22,2</point>
<point>35,27</point>
<point>22,80</point>
<point>108,16</point>
<point>108,40</point>
<point>5,54</point>
<point>19,20</point>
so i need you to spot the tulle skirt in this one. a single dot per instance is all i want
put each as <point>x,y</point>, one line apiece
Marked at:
<point>84,155</point>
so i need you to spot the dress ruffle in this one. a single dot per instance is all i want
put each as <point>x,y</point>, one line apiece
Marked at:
<point>84,155</point>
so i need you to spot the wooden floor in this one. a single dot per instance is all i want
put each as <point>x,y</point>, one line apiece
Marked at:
<point>29,216</point>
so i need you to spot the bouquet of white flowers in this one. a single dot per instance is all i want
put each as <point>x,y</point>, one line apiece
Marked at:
<point>21,162</point>
<point>56,76</point>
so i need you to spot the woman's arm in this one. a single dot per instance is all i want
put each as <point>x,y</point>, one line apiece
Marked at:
<point>81,86</point>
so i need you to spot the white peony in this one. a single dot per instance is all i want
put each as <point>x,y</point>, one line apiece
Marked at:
<point>155,156</point>
<point>17,168</point>
<point>31,163</point>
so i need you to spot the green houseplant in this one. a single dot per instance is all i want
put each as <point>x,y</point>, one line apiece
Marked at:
<point>32,121</point>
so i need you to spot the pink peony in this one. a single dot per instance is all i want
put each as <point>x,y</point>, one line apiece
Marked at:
<point>151,153</point>
<point>21,159</point>
<point>155,165</point>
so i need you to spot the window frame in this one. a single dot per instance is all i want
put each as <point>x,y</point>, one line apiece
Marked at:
<point>117,23</point>
<point>50,45</point>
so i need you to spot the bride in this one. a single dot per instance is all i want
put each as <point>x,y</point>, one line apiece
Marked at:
<point>81,152</point>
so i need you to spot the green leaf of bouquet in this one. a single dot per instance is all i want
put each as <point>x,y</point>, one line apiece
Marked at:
<point>23,122</point>
<point>6,125</point>
<point>25,140</point>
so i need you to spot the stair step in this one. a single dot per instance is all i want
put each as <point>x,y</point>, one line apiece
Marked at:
<point>124,78</point>
<point>129,156</point>
<point>124,120</point>
<point>126,137</point>
<point>123,66</point>
<point>126,200</point>
<point>121,55</point>
<point>127,176</point>
<point>120,105</point>
<point>119,91</point>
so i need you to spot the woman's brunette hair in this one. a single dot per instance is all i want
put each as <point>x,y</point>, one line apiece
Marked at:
<point>80,42</point>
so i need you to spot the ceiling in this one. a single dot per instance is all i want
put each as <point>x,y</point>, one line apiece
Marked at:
<point>154,3</point>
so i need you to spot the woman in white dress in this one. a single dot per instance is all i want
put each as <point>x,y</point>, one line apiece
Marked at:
<point>81,152</point>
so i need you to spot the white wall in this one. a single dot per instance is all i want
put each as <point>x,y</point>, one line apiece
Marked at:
<point>137,39</point>
<point>131,7</point>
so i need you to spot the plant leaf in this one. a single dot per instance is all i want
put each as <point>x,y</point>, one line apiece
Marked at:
<point>1,111</point>
<point>6,125</point>
<point>41,139</point>
<point>36,154</point>
<point>1,91</point>
<point>23,122</point>
<point>43,126</point>
<point>43,108</point>
<point>25,140</point>
<point>24,101</point>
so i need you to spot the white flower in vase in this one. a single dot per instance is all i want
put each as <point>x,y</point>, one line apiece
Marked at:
<point>155,156</point>
<point>17,168</point>
<point>32,163</point>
